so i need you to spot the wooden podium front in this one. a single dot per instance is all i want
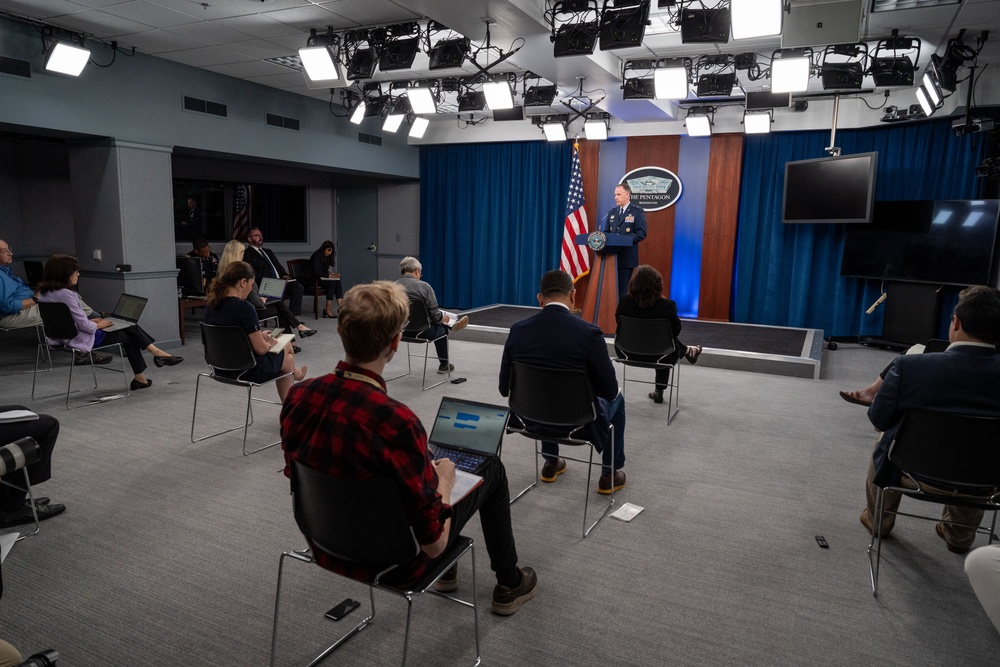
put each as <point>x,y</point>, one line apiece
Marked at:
<point>602,294</point>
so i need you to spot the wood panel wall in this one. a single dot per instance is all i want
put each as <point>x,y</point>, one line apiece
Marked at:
<point>721,216</point>
<point>658,248</point>
<point>590,159</point>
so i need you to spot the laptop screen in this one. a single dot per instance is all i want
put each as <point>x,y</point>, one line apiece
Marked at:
<point>469,425</point>
<point>130,307</point>
<point>271,288</point>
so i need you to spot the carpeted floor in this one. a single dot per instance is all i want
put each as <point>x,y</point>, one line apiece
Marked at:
<point>168,551</point>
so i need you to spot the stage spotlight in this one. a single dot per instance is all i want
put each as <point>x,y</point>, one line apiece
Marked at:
<point>553,126</point>
<point>944,73</point>
<point>925,102</point>
<point>756,122</point>
<point>639,89</point>
<point>755,18</point>
<point>575,39</point>
<point>705,26</point>
<point>699,122</point>
<point>892,71</point>
<point>498,94</point>
<point>540,96</point>
<point>473,100</point>
<point>596,126</point>
<point>375,105</point>
<point>398,54</point>
<point>671,80</point>
<point>714,85</point>
<point>67,58</point>
<point>422,100</point>
<point>448,53</point>
<point>625,27</point>
<point>319,62</point>
<point>358,114</point>
<point>361,65</point>
<point>933,90</point>
<point>392,122</point>
<point>842,76</point>
<point>790,69</point>
<point>418,127</point>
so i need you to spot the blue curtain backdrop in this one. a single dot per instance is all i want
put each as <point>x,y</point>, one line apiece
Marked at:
<point>790,274</point>
<point>491,219</point>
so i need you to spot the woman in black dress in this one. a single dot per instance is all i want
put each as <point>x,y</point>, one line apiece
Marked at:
<point>645,300</point>
<point>227,306</point>
<point>321,266</point>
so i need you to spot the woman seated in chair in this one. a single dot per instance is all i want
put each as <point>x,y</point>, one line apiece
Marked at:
<point>60,274</point>
<point>227,306</point>
<point>645,301</point>
<point>321,266</point>
<point>233,252</point>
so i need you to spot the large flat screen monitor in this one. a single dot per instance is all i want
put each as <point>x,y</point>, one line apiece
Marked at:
<point>950,242</point>
<point>830,189</point>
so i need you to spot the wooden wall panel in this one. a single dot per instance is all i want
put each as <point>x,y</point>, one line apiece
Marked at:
<point>590,158</point>
<point>721,216</point>
<point>658,248</point>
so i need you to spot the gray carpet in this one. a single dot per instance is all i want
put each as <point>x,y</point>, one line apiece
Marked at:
<point>168,552</point>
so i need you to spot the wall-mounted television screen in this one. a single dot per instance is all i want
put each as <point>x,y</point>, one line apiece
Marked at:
<point>949,242</point>
<point>830,189</point>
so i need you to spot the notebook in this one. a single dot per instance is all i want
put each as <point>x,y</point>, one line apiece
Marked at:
<point>127,312</point>
<point>468,433</point>
<point>271,289</point>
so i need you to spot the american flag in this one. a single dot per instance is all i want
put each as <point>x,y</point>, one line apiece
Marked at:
<point>575,260</point>
<point>241,223</point>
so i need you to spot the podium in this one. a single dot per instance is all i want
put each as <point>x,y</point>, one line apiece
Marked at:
<point>602,293</point>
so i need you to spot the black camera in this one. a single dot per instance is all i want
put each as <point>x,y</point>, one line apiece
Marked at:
<point>43,659</point>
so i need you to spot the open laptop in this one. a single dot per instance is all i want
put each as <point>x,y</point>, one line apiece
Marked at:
<point>127,312</point>
<point>271,289</point>
<point>467,432</point>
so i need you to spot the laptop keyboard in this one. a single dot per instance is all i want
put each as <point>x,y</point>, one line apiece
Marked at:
<point>462,460</point>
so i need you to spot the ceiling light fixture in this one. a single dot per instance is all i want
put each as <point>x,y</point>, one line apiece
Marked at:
<point>319,61</point>
<point>596,126</point>
<point>756,18</point>
<point>699,122</point>
<point>359,113</point>
<point>67,54</point>
<point>756,122</point>
<point>671,79</point>
<point>422,100</point>
<point>623,27</point>
<point>498,93</point>
<point>790,70</point>
<point>418,127</point>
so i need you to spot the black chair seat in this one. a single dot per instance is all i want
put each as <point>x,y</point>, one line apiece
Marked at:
<point>647,343</point>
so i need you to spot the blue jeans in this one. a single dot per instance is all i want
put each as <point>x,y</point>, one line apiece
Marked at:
<point>615,409</point>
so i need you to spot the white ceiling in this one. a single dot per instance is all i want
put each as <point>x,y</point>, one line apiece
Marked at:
<point>236,37</point>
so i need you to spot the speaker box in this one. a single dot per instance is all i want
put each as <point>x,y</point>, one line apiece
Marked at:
<point>821,23</point>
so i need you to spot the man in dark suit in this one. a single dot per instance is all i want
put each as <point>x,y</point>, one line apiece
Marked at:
<point>266,265</point>
<point>962,380</point>
<point>556,338</point>
<point>630,220</point>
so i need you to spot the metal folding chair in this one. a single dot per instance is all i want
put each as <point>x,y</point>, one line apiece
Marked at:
<point>413,334</point>
<point>645,344</point>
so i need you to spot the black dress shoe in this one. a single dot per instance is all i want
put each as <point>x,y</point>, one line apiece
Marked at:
<point>325,315</point>
<point>167,361</point>
<point>83,358</point>
<point>136,385</point>
<point>24,515</point>
<point>296,349</point>
<point>305,333</point>
<point>41,500</point>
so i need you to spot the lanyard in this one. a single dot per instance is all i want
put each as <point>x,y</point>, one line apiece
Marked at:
<point>360,378</point>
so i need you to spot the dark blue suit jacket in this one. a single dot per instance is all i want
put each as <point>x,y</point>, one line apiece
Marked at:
<point>556,338</point>
<point>964,379</point>
<point>616,223</point>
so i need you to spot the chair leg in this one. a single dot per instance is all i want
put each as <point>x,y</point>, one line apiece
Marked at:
<point>31,501</point>
<point>249,421</point>
<point>304,557</point>
<point>534,482</point>
<point>876,540</point>
<point>586,503</point>
<point>423,381</point>
<point>673,404</point>
<point>409,369</point>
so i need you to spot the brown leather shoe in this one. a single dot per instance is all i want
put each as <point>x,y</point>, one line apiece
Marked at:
<point>604,485</point>
<point>507,601</point>
<point>939,529</point>
<point>867,523</point>
<point>553,469</point>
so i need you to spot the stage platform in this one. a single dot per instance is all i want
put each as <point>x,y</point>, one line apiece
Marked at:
<point>756,348</point>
